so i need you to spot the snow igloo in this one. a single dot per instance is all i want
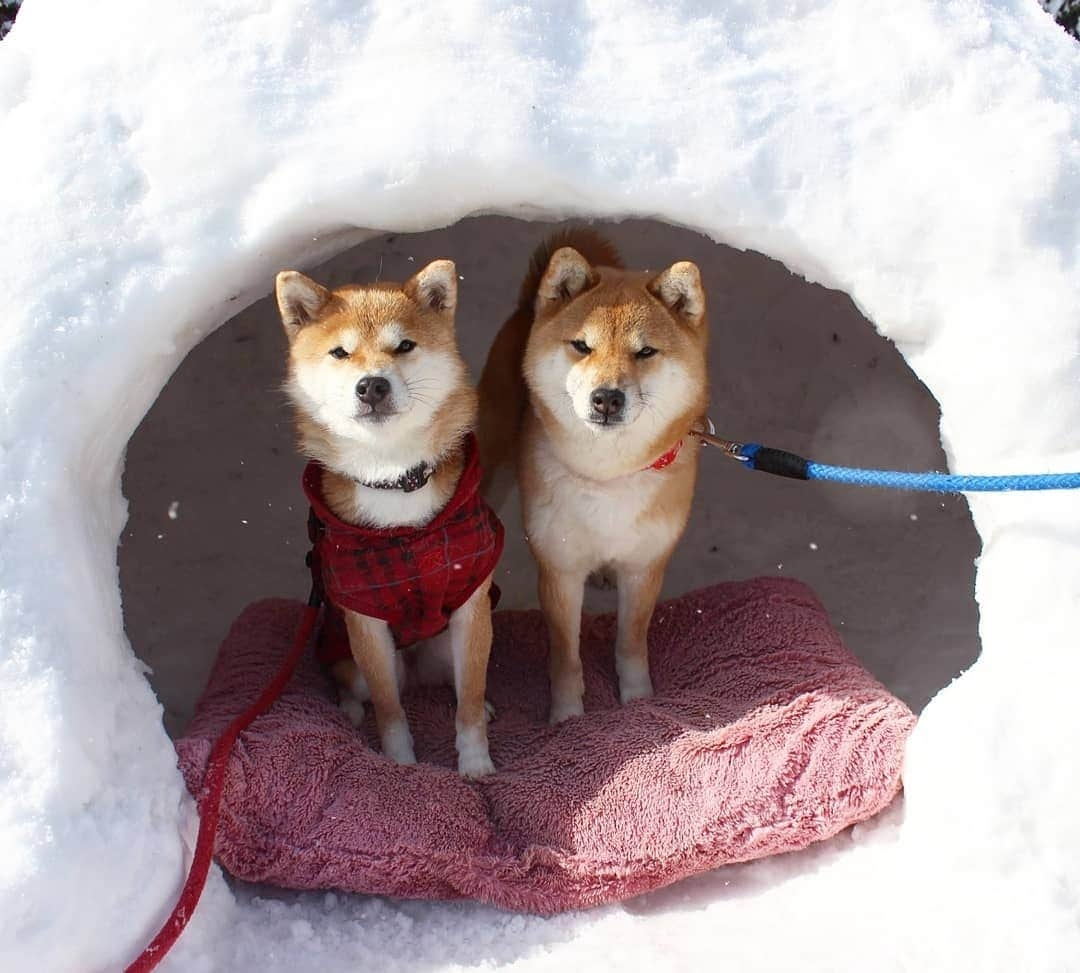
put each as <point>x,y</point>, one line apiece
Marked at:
<point>912,165</point>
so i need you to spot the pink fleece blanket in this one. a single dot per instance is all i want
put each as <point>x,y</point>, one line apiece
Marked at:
<point>765,735</point>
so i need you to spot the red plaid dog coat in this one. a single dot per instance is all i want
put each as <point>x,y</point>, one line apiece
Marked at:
<point>414,578</point>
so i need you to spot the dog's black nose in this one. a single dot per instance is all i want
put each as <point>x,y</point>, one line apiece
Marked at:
<point>372,389</point>
<point>608,402</point>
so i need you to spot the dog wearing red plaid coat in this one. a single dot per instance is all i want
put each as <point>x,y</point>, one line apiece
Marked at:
<point>404,547</point>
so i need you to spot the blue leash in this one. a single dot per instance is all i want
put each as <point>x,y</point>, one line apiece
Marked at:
<point>779,462</point>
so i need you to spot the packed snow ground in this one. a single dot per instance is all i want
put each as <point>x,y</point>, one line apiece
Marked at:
<point>922,157</point>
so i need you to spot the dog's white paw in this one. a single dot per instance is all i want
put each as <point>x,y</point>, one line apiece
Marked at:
<point>564,708</point>
<point>636,689</point>
<point>353,709</point>
<point>489,711</point>
<point>475,765</point>
<point>472,748</point>
<point>397,743</point>
<point>634,680</point>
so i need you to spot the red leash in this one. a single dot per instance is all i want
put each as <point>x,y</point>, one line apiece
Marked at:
<point>213,784</point>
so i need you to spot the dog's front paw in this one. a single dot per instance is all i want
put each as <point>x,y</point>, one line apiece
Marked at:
<point>475,765</point>
<point>634,680</point>
<point>472,748</point>
<point>565,707</point>
<point>636,690</point>
<point>397,743</point>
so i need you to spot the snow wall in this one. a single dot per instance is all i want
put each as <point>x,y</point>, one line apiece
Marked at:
<point>159,162</point>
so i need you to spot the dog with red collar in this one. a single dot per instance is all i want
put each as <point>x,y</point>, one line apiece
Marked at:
<point>404,546</point>
<point>614,370</point>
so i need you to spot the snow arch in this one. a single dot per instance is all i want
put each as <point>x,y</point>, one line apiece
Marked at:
<point>161,161</point>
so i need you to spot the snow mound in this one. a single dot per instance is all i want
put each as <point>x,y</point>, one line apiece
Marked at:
<point>160,162</point>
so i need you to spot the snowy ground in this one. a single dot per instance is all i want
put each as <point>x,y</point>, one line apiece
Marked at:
<point>922,157</point>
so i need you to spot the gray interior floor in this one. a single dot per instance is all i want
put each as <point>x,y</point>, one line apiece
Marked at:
<point>217,517</point>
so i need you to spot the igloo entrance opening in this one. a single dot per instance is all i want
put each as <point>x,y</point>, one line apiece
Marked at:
<point>217,518</point>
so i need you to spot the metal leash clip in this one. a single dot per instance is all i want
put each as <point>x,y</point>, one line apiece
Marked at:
<point>728,447</point>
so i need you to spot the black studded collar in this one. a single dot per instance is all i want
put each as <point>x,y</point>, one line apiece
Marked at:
<point>412,479</point>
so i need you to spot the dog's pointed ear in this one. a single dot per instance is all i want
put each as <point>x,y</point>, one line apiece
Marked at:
<point>568,274</point>
<point>299,300</point>
<point>435,287</point>
<point>679,289</point>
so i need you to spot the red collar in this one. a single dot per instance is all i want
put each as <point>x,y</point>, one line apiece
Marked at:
<point>667,459</point>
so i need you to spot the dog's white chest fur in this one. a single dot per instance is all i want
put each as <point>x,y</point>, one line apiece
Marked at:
<point>396,508</point>
<point>389,507</point>
<point>581,524</point>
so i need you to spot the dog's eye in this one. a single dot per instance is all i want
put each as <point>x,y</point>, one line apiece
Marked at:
<point>647,352</point>
<point>339,352</point>
<point>405,347</point>
<point>580,346</point>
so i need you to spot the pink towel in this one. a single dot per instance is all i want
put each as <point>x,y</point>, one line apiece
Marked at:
<point>765,735</point>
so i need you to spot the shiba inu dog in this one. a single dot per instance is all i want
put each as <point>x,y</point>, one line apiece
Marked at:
<point>404,546</point>
<point>593,386</point>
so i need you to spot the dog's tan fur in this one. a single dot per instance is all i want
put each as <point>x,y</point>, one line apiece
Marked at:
<point>431,408</point>
<point>589,501</point>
